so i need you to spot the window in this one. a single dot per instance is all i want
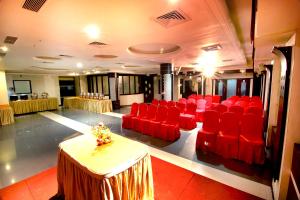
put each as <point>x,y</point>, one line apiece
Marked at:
<point>98,84</point>
<point>129,84</point>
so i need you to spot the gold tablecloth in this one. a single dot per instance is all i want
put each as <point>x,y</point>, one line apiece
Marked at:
<point>6,115</point>
<point>120,170</point>
<point>91,105</point>
<point>34,105</point>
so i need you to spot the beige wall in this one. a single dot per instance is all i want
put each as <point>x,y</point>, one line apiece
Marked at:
<point>126,100</point>
<point>292,134</point>
<point>3,89</point>
<point>39,83</point>
<point>83,84</point>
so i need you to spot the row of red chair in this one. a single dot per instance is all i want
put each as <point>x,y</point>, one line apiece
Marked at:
<point>157,121</point>
<point>231,137</point>
<point>208,98</point>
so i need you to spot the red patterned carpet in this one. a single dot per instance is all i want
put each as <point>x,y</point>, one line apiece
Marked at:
<point>170,182</point>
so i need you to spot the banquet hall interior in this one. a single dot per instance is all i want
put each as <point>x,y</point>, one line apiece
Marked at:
<point>137,99</point>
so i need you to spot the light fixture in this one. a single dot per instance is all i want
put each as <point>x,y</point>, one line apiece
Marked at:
<point>7,167</point>
<point>173,1</point>
<point>92,31</point>
<point>221,72</point>
<point>4,48</point>
<point>79,65</point>
<point>190,77</point>
<point>209,71</point>
<point>242,70</point>
<point>12,180</point>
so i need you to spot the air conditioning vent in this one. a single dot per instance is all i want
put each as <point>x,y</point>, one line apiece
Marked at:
<point>97,43</point>
<point>105,56</point>
<point>214,47</point>
<point>10,40</point>
<point>2,54</point>
<point>227,60</point>
<point>33,5</point>
<point>66,56</point>
<point>172,18</point>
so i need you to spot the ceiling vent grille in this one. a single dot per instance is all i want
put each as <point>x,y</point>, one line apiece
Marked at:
<point>10,40</point>
<point>66,56</point>
<point>97,43</point>
<point>172,18</point>
<point>33,5</point>
<point>214,47</point>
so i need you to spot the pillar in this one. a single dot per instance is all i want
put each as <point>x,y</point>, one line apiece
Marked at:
<point>3,89</point>
<point>167,81</point>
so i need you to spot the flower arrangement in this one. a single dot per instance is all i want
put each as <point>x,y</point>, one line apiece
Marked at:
<point>102,133</point>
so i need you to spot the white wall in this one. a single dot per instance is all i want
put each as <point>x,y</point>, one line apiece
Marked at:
<point>126,100</point>
<point>3,89</point>
<point>39,83</point>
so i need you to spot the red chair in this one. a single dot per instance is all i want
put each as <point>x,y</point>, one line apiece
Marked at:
<point>199,96</point>
<point>221,108</point>
<point>227,103</point>
<point>206,138</point>
<point>192,96</point>
<point>234,98</point>
<point>169,130</point>
<point>126,119</point>
<point>155,102</point>
<point>135,122</point>
<point>228,137</point>
<point>163,102</point>
<point>239,110</point>
<point>255,98</point>
<point>188,119</point>
<point>151,115</point>
<point>200,109</point>
<point>216,99</point>
<point>181,107</point>
<point>244,104</point>
<point>245,98</point>
<point>171,104</point>
<point>182,100</point>
<point>255,110</point>
<point>251,143</point>
<point>191,100</point>
<point>154,125</point>
<point>256,104</point>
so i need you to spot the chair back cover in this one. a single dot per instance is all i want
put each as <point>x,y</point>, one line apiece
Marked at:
<point>162,102</point>
<point>229,123</point>
<point>245,98</point>
<point>155,102</point>
<point>239,110</point>
<point>173,115</point>
<point>211,121</point>
<point>221,108</point>
<point>191,108</point>
<point>171,104</point>
<point>181,106</point>
<point>191,100</point>
<point>134,109</point>
<point>216,99</point>
<point>143,110</point>
<point>152,110</point>
<point>251,126</point>
<point>201,104</point>
<point>162,113</point>
<point>254,110</point>
<point>182,100</point>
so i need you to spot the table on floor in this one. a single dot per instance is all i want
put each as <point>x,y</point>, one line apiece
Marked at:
<point>111,171</point>
<point>91,105</point>
<point>6,115</point>
<point>34,105</point>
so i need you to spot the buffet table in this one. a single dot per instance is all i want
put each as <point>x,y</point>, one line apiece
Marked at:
<point>6,115</point>
<point>111,171</point>
<point>34,105</point>
<point>91,105</point>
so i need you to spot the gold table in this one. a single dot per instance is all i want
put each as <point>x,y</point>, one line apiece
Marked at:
<point>6,115</point>
<point>91,105</point>
<point>111,171</point>
<point>34,105</point>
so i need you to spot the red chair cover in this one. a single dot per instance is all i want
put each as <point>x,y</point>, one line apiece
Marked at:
<point>206,137</point>
<point>171,104</point>
<point>255,110</point>
<point>227,103</point>
<point>256,98</point>
<point>233,98</point>
<point>126,119</point>
<point>227,139</point>
<point>245,98</point>
<point>154,125</point>
<point>200,109</point>
<point>135,122</point>
<point>251,143</point>
<point>155,102</point>
<point>192,96</point>
<point>239,110</point>
<point>151,115</point>
<point>191,100</point>
<point>182,100</point>
<point>244,104</point>
<point>163,102</point>
<point>181,107</point>
<point>216,99</point>
<point>199,96</point>
<point>188,119</point>
<point>169,130</point>
<point>221,108</point>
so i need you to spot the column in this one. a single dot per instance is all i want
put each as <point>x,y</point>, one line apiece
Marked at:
<point>3,89</point>
<point>167,81</point>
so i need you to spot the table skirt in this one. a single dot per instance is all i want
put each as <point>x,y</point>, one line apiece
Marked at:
<point>91,105</point>
<point>34,105</point>
<point>6,115</point>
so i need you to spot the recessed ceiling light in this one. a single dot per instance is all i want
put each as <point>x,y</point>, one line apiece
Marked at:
<point>92,31</point>
<point>173,1</point>
<point>4,48</point>
<point>79,65</point>
<point>242,70</point>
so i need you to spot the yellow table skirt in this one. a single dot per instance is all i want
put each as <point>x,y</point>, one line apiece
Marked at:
<point>34,105</point>
<point>6,115</point>
<point>91,105</point>
<point>120,170</point>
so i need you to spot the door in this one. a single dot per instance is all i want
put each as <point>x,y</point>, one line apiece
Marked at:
<point>220,88</point>
<point>147,85</point>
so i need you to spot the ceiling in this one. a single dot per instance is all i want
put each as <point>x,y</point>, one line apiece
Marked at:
<point>58,29</point>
